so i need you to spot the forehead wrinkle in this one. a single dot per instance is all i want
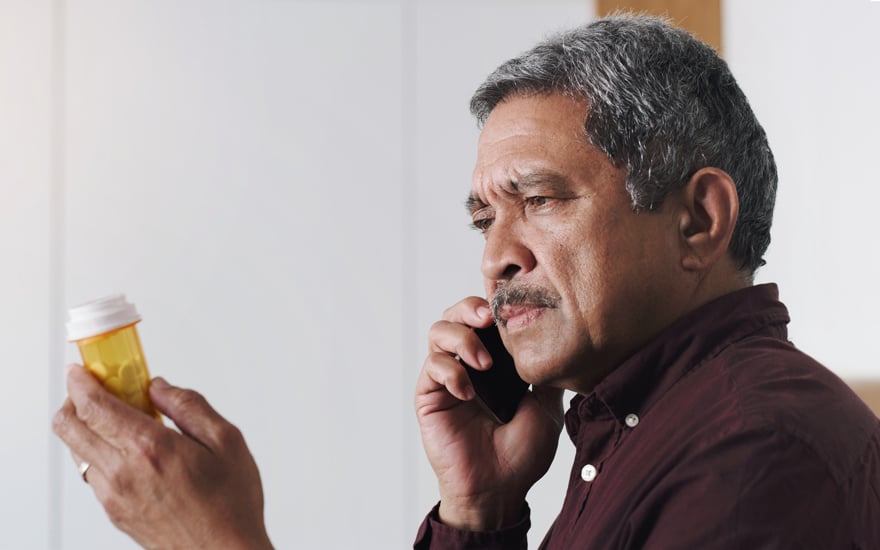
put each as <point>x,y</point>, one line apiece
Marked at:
<point>475,202</point>
<point>538,178</point>
<point>520,182</point>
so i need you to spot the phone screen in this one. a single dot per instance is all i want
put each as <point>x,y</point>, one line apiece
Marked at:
<point>500,388</point>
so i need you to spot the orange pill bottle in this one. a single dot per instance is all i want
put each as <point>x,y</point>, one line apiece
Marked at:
<point>105,332</point>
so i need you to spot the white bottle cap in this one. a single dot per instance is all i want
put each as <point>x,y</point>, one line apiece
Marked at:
<point>100,316</point>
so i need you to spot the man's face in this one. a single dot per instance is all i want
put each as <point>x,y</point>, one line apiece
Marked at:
<point>578,280</point>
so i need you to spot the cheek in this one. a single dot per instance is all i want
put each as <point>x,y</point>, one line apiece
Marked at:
<point>658,250</point>
<point>602,268</point>
<point>579,272</point>
<point>588,259</point>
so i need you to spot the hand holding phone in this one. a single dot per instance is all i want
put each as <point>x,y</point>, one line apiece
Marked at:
<point>482,478</point>
<point>500,388</point>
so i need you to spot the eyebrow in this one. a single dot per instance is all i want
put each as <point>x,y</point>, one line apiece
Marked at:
<point>473,204</point>
<point>530,180</point>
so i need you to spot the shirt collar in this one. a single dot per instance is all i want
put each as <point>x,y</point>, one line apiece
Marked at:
<point>637,383</point>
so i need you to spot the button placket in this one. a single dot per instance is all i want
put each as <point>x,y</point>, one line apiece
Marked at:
<point>597,436</point>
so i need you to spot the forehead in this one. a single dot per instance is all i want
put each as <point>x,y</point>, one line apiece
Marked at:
<point>553,116</point>
<point>541,133</point>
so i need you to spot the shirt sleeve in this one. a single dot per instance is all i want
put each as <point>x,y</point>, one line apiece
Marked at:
<point>434,535</point>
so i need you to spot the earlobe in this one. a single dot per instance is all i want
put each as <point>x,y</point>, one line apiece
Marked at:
<point>710,210</point>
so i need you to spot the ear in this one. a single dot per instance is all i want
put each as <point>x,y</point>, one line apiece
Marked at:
<point>710,209</point>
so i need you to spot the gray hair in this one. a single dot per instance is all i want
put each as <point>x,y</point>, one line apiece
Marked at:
<point>662,105</point>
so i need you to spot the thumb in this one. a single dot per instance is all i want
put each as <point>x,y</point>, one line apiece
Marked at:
<point>190,411</point>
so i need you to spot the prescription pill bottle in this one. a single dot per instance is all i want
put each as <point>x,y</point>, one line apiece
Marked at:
<point>108,341</point>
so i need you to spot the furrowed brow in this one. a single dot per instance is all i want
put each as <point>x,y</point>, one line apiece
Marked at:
<point>473,204</point>
<point>539,180</point>
<point>546,181</point>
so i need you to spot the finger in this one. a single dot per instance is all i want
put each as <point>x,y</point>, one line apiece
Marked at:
<point>84,444</point>
<point>472,311</point>
<point>105,489</point>
<point>443,372</point>
<point>112,420</point>
<point>457,339</point>
<point>192,413</point>
<point>85,468</point>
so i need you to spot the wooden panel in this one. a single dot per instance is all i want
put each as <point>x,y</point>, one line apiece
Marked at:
<point>700,17</point>
<point>869,391</point>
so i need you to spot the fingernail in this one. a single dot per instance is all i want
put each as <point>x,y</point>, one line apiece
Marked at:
<point>484,359</point>
<point>484,312</point>
<point>160,383</point>
<point>469,393</point>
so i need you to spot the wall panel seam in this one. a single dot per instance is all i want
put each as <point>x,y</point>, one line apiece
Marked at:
<point>409,242</point>
<point>56,222</point>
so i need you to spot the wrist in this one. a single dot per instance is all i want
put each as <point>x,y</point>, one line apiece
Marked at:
<point>481,514</point>
<point>254,540</point>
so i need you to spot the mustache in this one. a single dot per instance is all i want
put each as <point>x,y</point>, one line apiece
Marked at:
<point>519,295</point>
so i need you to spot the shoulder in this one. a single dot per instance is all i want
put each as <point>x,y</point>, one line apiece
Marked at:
<point>777,442</point>
<point>762,395</point>
<point>777,389</point>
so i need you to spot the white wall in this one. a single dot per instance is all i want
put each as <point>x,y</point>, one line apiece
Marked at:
<point>810,69</point>
<point>233,167</point>
<point>25,203</point>
<point>279,187</point>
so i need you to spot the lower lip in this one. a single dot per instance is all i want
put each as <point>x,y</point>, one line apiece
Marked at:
<point>522,318</point>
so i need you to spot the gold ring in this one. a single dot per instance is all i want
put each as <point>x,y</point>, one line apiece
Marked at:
<point>83,469</point>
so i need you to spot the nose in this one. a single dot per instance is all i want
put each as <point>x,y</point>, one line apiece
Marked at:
<point>506,253</point>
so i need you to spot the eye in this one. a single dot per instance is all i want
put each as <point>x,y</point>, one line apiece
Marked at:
<point>537,201</point>
<point>482,224</point>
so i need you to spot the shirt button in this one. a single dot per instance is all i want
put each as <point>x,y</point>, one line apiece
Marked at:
<point>632,420</point>
<point>588,473</point>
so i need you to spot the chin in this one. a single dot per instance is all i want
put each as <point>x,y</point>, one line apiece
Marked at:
<point>539,370</point>
<point>559,367</point>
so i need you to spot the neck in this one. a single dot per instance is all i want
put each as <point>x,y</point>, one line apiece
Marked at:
<point>723,278</point>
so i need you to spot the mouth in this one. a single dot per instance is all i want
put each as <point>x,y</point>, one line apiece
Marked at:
<point>519,316</point>
<point>516,307</point>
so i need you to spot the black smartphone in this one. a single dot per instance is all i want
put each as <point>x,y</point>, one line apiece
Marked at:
<point>500,388</point>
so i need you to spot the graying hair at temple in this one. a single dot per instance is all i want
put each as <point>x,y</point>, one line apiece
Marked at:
<point>662,105</point>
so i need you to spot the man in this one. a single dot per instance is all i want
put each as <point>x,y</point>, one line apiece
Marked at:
<point>625,191</point>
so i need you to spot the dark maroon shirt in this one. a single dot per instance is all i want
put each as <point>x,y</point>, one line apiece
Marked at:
<point>718,434</point>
